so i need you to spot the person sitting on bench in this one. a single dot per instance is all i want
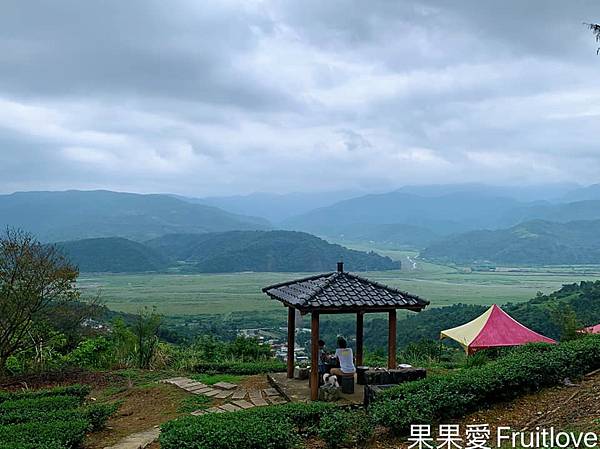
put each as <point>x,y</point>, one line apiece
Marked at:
<point>346,358</point>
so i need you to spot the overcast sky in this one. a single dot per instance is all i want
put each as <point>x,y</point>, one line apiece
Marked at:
<point>204,98</point>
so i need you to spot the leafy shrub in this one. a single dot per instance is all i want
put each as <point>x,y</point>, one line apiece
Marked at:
<point>43,404</point>
<point>47,434</point>
<point>243,368</point>
<point>91,353</point>
<point>523,370</point>
<point>49,419</point>
<point>344,427</point>
<point>273,427</point>
<point>335,427</point>
<point>24,416</point>
<point>80,391</point>
<point>305,417</point>
<point>46,445</point>
<point>98,414</point>
<point>238,430</point>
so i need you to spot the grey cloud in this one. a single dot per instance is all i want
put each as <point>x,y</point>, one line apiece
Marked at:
<point>226,97</point>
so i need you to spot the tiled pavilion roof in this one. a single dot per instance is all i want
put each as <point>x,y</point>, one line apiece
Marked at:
<point>341,291</point>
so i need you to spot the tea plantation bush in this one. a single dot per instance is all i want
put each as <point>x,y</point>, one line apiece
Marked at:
<point>49,419</point>
<point>523,370</point>
<point>241,368</point>
<point>80,391</point>
<point>275,427</point>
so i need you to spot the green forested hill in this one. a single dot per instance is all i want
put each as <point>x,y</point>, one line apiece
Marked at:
<point>285,251</point>
<point>112,255</point>
<point>535,242</point>
<point>75,214</point>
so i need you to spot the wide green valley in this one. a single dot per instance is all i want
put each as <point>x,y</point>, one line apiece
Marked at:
<point>215,294</point>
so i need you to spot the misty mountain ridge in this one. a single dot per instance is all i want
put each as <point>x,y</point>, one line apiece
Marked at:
<point>275,207</point>
<point>410,217</point>
<point>76,214</point>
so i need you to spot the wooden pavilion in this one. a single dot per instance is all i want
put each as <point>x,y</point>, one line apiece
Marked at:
<point>340,292</point>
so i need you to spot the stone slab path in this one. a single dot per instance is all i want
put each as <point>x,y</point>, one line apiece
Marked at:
<point>235,398</point>
<point>137,440</point>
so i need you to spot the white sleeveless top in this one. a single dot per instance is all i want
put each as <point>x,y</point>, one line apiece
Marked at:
<point>346,359</point>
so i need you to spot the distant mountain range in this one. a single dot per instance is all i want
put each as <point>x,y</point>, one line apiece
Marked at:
<point>535,242</point>
<point>445,214</point>
<point>431,218</point>
<point>226,252</point>
<point>407,219</point>
<point>274,207</point>
<point>74,214</point>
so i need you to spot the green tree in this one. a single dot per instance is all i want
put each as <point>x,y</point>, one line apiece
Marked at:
<point>33,278</point>
<point>595,28</point>
<point>565,318</point>
<point>146,328</point>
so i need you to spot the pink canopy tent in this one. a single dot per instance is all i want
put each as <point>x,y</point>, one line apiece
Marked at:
<point>494,328</point>
<point>591,329</point>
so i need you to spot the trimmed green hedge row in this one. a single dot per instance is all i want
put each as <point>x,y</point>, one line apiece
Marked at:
<point>523,370</point>
<point>242,368</point>
<point>24,416</point>
<point>80,391</point>
<point>43,435</point>
<point>275,427</point>
<point>49,419</point>
<point>43,404</point>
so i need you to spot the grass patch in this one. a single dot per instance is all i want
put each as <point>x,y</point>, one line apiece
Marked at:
<point>144,378</point>
<point>194,402</point>
<point>211,379</point>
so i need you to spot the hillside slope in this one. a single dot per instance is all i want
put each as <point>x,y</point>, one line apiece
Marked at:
<point>73,214</point>
<point>284,251</point>
<point>535,242</point>
<point>112,255</point>
<point>537,314</point>
<point>561,212</point>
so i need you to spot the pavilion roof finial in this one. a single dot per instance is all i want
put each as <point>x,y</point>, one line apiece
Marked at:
<point>340,266</point>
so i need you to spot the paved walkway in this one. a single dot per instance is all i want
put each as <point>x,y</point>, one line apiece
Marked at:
<point>137,440</point>
<point>235,398</point>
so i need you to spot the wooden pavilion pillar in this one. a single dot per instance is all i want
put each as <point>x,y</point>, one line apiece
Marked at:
<point>392,340</point>
<point>291,341</point>
<point>359,338</point>
<point>314,356</point>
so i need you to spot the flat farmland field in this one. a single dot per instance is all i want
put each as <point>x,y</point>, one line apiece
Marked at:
<point>217,294</point>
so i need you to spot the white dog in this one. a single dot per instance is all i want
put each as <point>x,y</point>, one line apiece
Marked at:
<point>330,380</point>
